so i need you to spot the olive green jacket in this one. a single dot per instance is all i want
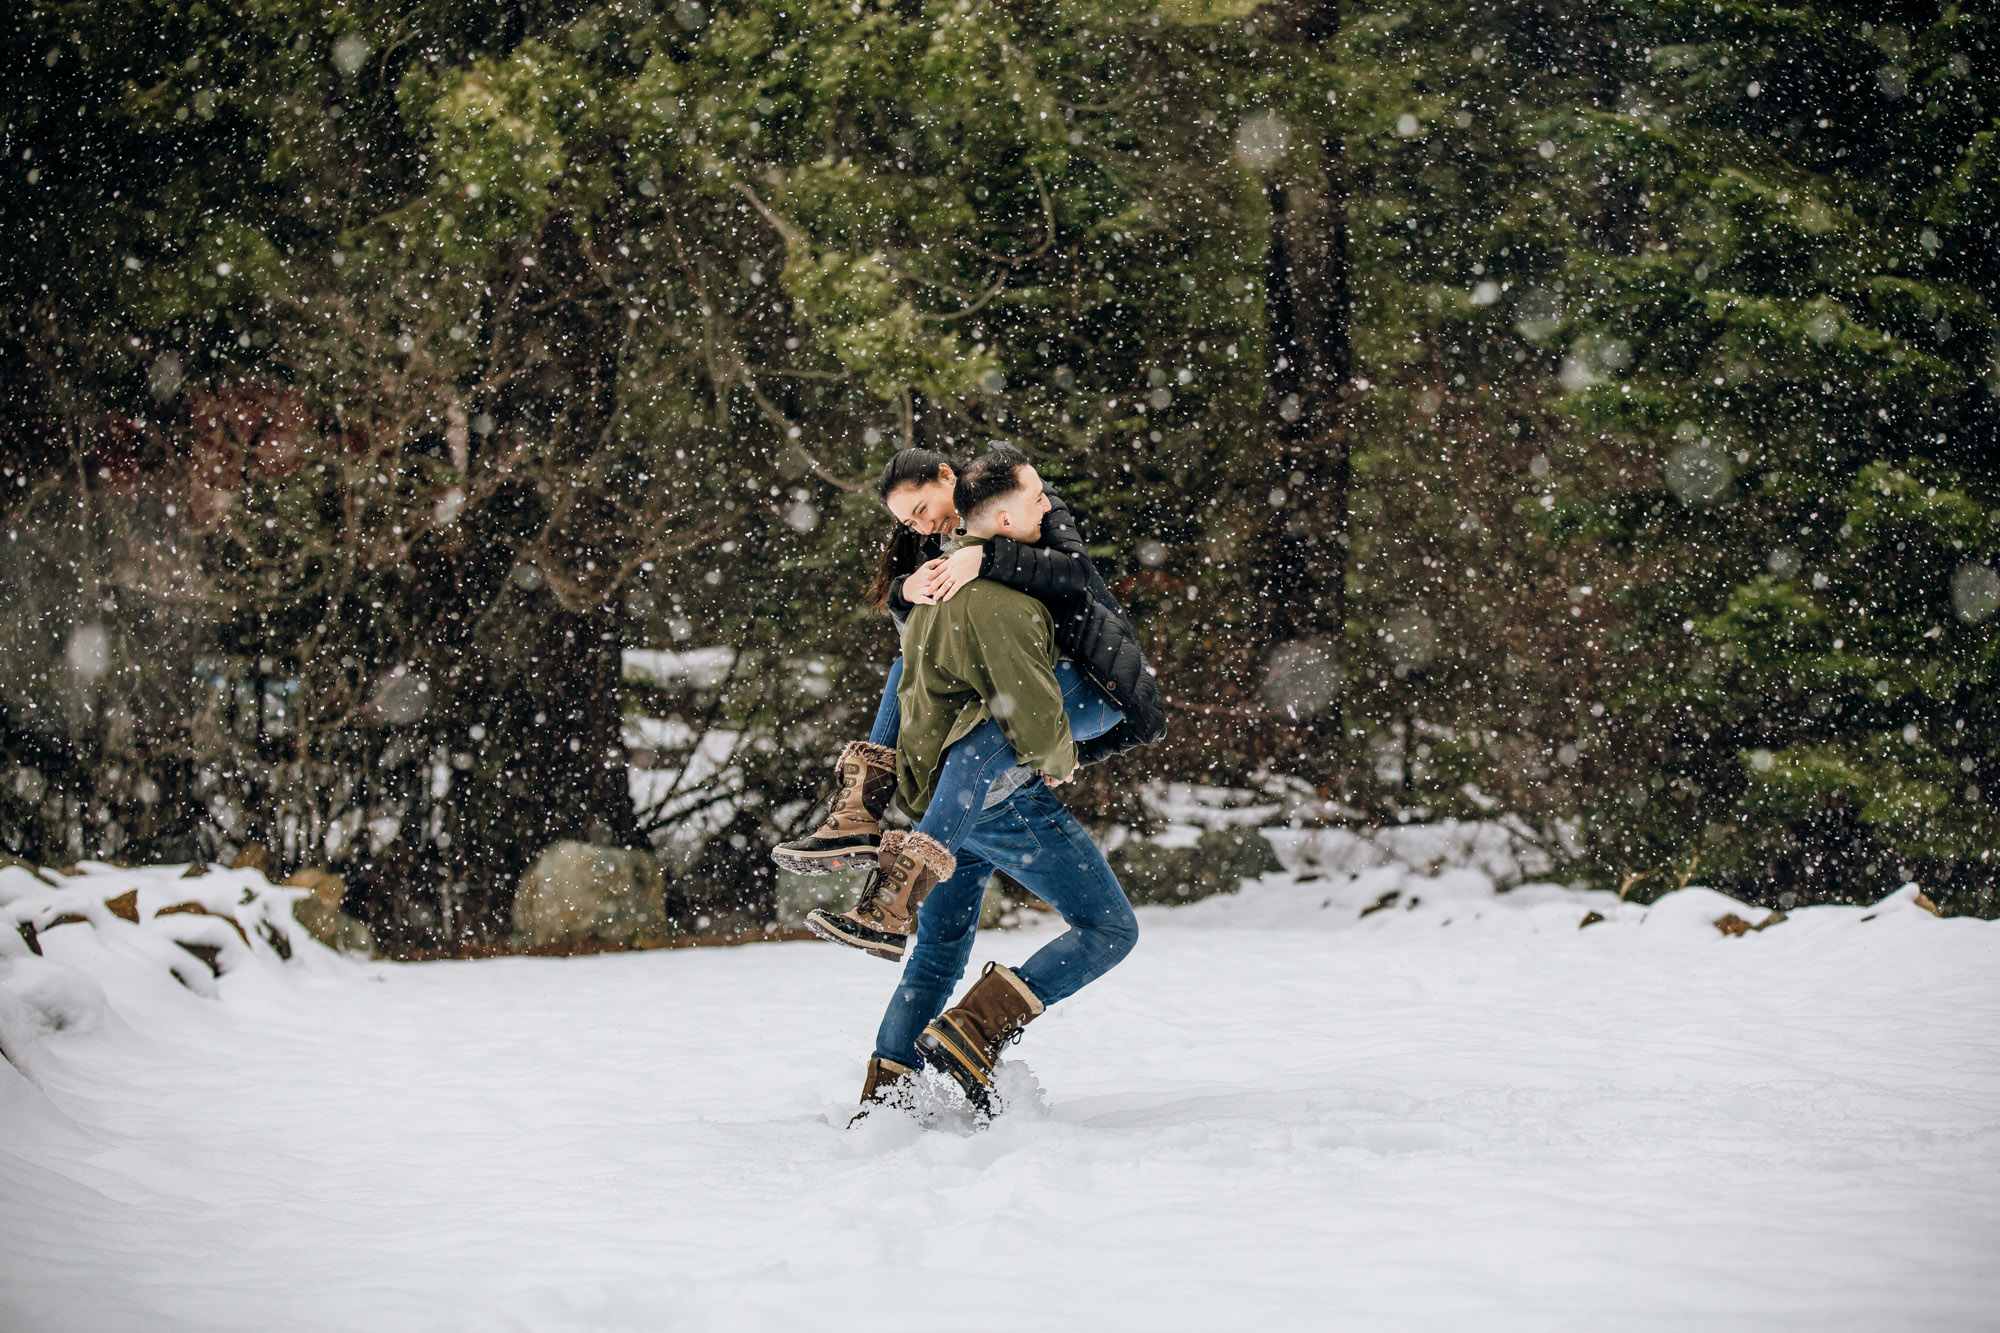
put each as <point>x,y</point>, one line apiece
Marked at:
<point>988,652</point>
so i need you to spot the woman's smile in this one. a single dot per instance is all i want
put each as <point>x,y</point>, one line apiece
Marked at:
<point>926,509</point>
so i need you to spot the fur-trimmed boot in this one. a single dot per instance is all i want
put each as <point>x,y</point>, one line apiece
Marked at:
<point>908,867</point>
<point>852,832</point>
<point>885,1079</point>
<point>965,1040</point>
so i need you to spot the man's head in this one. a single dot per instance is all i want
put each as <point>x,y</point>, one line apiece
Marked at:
<point>999,495</point>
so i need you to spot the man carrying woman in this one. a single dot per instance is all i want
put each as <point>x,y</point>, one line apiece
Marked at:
<point>998,695</point>
<point>1106,684</point>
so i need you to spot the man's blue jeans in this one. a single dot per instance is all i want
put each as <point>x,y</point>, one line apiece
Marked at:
<point>985,755</point>
<point>971,767</point>
<point>1040,844</point>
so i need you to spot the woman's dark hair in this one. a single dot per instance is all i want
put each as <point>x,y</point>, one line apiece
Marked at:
<point>904,550</point>
<point>989,477</point>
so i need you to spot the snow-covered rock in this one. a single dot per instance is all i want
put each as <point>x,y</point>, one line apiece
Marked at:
<point>178,924</point>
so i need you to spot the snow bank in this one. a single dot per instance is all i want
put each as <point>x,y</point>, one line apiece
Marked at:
<point>1403,878</point>
<point>1472,877</point>
<point>67,939</point>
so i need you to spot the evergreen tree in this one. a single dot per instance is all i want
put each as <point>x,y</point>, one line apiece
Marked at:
<point>1785,321</point>
<point>391,462</point>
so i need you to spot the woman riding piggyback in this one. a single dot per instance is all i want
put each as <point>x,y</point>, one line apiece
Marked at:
<point>1114,703</point>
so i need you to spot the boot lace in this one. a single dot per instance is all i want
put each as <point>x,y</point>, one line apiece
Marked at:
<point>872,893</point>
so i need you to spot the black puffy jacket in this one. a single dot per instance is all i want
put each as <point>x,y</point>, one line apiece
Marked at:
<point>1091,627</point>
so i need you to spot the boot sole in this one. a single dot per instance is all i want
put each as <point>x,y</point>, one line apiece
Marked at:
<point>941,1050</point>
<point>839,930</point>
<point>816,861</point>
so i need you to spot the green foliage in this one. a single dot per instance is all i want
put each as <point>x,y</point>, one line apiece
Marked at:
<point>1789,330</point>
<point>1218,861</point>
<point>473,341</point>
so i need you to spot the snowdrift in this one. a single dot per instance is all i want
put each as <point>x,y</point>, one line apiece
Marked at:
<point>1457,876</point>
<point>66,939</point>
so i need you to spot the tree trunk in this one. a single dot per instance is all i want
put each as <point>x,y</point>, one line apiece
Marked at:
<point>527,703</point>
<point>1309,364</point>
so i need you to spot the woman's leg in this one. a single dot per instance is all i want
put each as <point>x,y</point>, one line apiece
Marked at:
<point>945,931</point>
<point>889,713</point>
<point>851,833</point>
<point>970,768</point>
<point>1090,713</point>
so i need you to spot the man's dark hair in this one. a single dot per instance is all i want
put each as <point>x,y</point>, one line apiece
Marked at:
<point>989,477</point>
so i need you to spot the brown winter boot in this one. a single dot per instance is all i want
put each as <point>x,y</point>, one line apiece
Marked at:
<point>965,1040</point>
<point>885,1079</point>
<point>853,828</point>
<point>910,865</point>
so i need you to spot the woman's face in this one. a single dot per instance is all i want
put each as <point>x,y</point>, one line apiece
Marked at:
<point>927,508</point>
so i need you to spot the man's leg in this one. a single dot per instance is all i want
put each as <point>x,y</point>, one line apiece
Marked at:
<point>966,777</point>
<point>1041,845</point>
<point>1069,873</point>
<point>945,931</point>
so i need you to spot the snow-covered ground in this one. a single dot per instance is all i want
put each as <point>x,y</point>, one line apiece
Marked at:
<point>1459,1111</point>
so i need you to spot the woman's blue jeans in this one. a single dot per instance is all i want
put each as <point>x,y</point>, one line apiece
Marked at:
<point>1040,844</point>
<point>889,713</point>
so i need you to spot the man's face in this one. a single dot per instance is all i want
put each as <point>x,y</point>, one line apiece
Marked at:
<point>1020,514</point>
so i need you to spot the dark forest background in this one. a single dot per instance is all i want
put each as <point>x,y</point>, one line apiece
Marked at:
<point>1575,413</point>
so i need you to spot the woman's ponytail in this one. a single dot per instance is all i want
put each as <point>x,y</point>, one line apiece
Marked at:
<point>901,555</point>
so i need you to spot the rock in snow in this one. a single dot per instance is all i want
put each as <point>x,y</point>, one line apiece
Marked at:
<point>323,915</point>
<point>576,891</point>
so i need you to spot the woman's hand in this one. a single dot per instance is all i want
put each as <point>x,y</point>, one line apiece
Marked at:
<point>955,571</point>
<point>917,587</point>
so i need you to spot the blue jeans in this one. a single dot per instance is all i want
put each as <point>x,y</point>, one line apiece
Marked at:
<point>889,713</point>
<point>1035,840</point>
<point>970,768</point>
